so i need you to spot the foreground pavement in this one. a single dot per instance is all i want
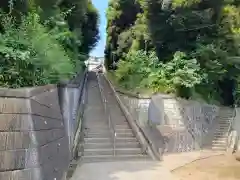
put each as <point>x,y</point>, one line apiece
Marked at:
<point>122,170</point>
<point>139,170</point>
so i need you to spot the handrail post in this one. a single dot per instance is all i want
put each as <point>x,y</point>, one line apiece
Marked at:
<point>114,144</point>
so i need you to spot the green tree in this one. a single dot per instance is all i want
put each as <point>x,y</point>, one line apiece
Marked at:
<point>207,31</point>
<point>45,41</point>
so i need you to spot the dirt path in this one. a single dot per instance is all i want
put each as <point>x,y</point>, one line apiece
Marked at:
<point>214,168</point>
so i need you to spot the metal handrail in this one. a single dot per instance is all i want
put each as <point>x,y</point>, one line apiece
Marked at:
<point>107,113</point>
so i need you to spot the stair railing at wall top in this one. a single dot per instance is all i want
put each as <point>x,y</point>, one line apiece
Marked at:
<point>107,113</point>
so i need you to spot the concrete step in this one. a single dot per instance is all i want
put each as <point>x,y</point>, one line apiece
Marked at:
<point>220,135</point>
<point>110,145</point>
<point>120,123</point>
<point>108,134</point>
<point>122,126</point>
<point>114,107</point>
<point>218,143</point>
<point>219,148</point>
<point>97,130</point>
<point>98,134</point>
<point>219,132</point>
<point>125,134</point>
<point>104,140</point>
<point>220,138</point>
<point>228,112</point>
<point>103,130</point>
<point>96,125</point>
<point>221,129</point>
<point>225,118</point>
<point>109,151</point>
<point>124,130</point>
<point>223,126</point>
<point>224,114</point>
<point>101,118</point>
<point>106,158</point>
<point>118,118</point>
<point>224,121</point>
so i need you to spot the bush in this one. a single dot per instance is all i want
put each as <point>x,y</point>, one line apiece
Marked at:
<point>30,55</point>
<point>179,75</point>
<point>135,69</point>
<point>144,70</point>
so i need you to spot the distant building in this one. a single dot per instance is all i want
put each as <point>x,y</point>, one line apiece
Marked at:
<point>93,62</point>
<point>101,59</point>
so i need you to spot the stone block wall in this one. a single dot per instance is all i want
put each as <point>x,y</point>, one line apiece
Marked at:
<point>185,126</point>
<point>179,125</point>
<point>72,102</point>
<point>33,141</point>
<point>234,139</point>
<point>138,107</point>
<point>196,118</point>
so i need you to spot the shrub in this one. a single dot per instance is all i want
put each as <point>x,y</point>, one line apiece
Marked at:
<point>30,55</point>
<point>135,68</point>
<point>141,69</point>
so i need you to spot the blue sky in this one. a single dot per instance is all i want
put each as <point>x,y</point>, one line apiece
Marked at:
<point>101,5</point>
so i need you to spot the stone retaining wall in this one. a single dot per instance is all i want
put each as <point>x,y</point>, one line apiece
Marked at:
<point>234,139</point>
<point>33,139</point>
<point>34,134</point>
<point>72,95</point>
<point>185,125</point>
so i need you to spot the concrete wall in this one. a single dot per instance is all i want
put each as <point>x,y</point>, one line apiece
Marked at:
<point>33,143</point>
<point>178,125</point>
<point>72,101</point>
<point>234,139</point>
<point>37,126</point>
<point>183,125</point>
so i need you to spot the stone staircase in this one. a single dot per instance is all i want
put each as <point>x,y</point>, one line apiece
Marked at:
<point>99,136</point>
<point>220,138</point>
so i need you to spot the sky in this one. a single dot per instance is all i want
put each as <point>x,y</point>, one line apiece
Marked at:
<point>101,5</point>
